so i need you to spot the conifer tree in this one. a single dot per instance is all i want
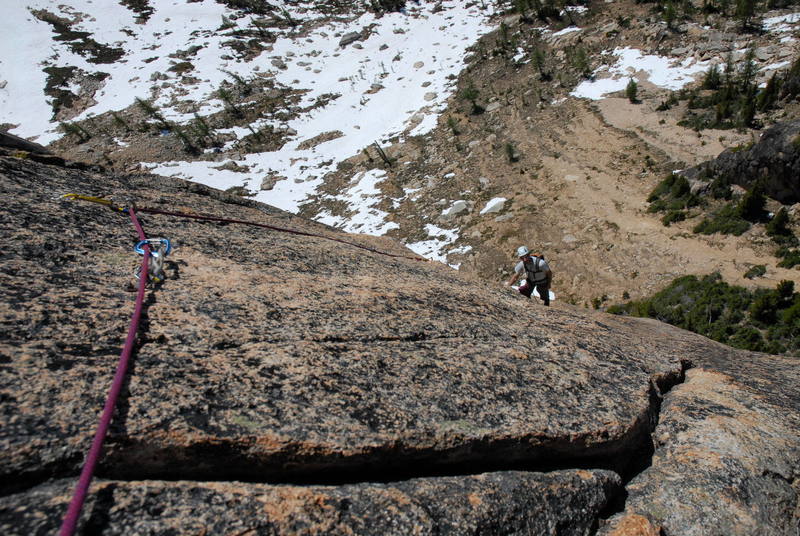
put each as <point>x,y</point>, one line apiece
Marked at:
<point>767,97</point>
<point>713,78</point>
<point>669,15</point>
<point>779,225</point>
<point>751,207</point>
<point>631,90</point>
<point>745,13</point>
<point>748,70</point>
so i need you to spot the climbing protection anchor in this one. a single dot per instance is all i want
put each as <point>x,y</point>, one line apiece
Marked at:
<point>159,249</point>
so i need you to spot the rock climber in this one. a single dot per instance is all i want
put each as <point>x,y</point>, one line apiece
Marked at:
<point>537,274</point>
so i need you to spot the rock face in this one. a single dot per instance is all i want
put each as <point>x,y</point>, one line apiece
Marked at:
<point>774,160</point>
<point>15,142</point>
<point>287,384</point>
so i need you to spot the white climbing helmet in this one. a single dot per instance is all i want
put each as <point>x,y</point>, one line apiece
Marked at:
<point>522,251</point>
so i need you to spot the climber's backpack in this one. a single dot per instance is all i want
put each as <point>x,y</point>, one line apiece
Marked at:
<point>532,268</point>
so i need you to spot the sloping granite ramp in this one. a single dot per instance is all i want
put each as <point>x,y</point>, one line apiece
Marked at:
<point>268,360</point>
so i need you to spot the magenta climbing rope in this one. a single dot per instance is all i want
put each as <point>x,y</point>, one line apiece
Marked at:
<point>72,516</point>
<point>70,522</point>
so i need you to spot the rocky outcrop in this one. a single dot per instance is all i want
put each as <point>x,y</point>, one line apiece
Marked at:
<point>494,503</point>
<point>773,162</point>
<point>722,462</point>
<point>15,142</point>
<point>287,383</point>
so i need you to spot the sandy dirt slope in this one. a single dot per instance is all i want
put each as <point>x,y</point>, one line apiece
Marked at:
<point>590,211</point>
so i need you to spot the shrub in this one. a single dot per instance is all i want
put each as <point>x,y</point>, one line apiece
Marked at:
<point>761,320</point>
<point>672,195</point>
<point>721,188</point>
<point>631,90</point>
<point>673,216</point>
<point>671,101</point>
<point>453,124</point>
<point>790,257</point>
<point>747,338</point>
<point>512,153</point>
<point>756,271</point>
<point>182,67</point>
<point>764,308</point>
<point>76,130</point>
<point>726,221</point>
<point>751,206</point>
<point>470,93</point>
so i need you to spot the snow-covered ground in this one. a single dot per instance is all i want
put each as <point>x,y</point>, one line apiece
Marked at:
<point>394,83</point>
<point>669,73</point>
<point>391,84</point>
<point>361,198</point>
<point>632,64</point>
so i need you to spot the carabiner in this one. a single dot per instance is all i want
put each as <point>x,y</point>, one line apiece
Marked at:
<point>156,246</point>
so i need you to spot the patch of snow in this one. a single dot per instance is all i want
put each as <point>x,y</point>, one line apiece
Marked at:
<point>361,199</point>
<point>433,249</point>
<point>460,250</point>
<point>782,23</point>
<point>494,205</point>
<point>660,71</point>
<point>22,99</point>
<point>351,72</point>
<point>776,66</point>
<point>438,38</point>
<point>566,31</point>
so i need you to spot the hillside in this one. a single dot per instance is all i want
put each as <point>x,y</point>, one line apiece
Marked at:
<point>293,105</point>
<point>296,383</point>
<point>344,184</point>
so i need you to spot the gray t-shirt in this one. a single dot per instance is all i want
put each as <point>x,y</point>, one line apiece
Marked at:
<point>538,277</point>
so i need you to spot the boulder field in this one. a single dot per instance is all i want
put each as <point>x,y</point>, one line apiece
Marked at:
<point>287,383</point>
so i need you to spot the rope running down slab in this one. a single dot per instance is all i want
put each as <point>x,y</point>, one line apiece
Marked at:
<point>70,522</point>
<point>72,516</point>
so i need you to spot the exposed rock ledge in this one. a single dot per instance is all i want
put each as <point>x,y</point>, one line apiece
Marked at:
<point>286,384</point>
<point>773,162</point>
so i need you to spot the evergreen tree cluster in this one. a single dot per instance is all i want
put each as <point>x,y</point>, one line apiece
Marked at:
<point>673,196</point>
<point>542,9</point>
<point>387,5</point>
<point>735,97</point>
<point>762,320</point>
<point>746,12</point>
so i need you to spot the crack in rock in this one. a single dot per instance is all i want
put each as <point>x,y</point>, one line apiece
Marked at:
<point>721,447</point>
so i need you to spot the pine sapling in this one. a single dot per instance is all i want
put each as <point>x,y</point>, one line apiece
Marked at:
<point>119,121</point>
<point>631,90</point>
<point>453,124</point>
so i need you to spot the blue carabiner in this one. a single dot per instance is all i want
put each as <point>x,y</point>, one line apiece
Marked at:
<point>153,243</point>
